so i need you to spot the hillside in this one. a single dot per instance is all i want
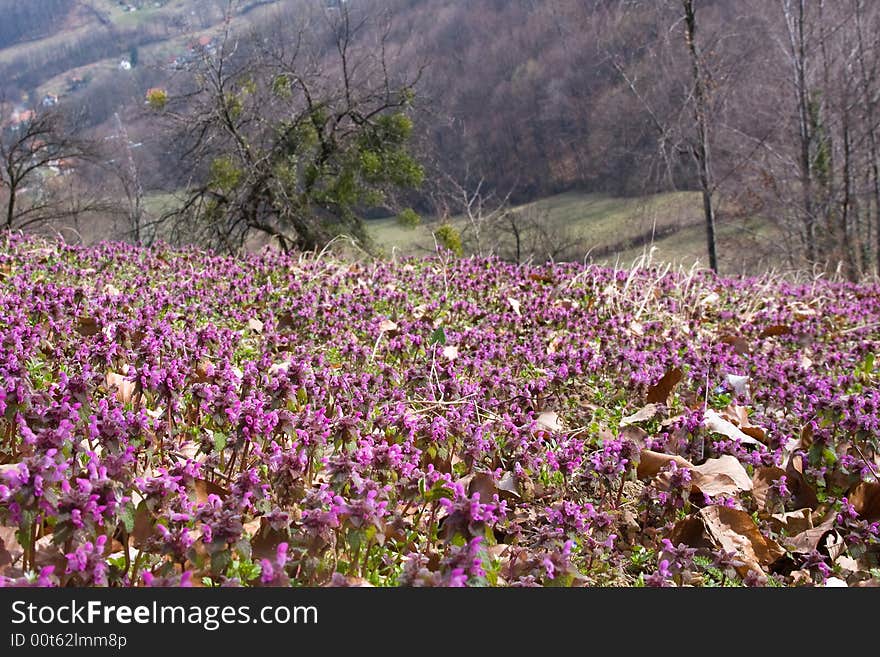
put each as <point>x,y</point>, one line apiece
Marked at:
<point>173,417</point>
<point>611,230</point>
<point>583,114</point>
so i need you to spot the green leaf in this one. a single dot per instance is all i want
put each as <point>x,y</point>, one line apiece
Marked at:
<point>219,442</point>
<point>126,515</point>
<point>438,336</point>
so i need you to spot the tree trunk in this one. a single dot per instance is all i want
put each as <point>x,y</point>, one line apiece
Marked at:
<point>10,207</point>
<point>797,42</point>
<point>701,150</point>
<point>867,92</point>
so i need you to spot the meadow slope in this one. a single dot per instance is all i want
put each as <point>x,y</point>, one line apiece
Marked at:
<point>179,418</point>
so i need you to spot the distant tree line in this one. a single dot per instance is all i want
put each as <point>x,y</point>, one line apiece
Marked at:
<point>768,108</point>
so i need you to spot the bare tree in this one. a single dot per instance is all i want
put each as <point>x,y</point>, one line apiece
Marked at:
<point>701,148</point>
<point>293,136</point>
<point>34,148</point>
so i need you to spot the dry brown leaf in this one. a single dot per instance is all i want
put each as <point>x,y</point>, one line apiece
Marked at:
<point>123,387</point>
<point>792,522</point>
<point>509,484</point>
<point>775,329</point>
<point>660,391</point>
<point>650,463</point>
<point>515,305</point>
<point>692,532</point>
<point>804,494</point>
<point>265,540</point>
<point>49,554</point>
<point>87,326</point>
<point>722,476</point>
<point>549,421</point>
<point>636,328</point>
<point>739,415</point>
<point>386,326</point>
<point>10,549</point>
<point>710,299</point>
<point>740,345</point>
<point>717,424</point>
<point>636,434</point>
<point>810,539</point>
<point>762,480</point>
<point>847,564</point>
<point>420,311</point>
<point>484,484</point>
<point>647,412</point>
<point>143,525</point>
<point>865,497</point>
<point>542,278</point>
<point>450,353</point>
<point>255,325</point>
<point>735,531</point>
<point>200,489</point>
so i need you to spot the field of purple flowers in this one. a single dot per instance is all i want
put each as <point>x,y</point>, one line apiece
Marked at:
<point>178,418</point>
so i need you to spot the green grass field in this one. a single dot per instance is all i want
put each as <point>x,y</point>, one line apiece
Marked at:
<point>601,221</point>
<point>607,225</point>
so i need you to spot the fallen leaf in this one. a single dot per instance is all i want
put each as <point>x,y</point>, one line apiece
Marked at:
<point>692,532</point>
<point>450,353</point>
<point>740,384</point>
<point>660,391</point>
<point>792,522</point>
<point>542,278</point>
<point>387,326</point>
<point>717,424</point>
<point>650,463</point>
<point>710,299</point>
<point>848,564</point>
<point>635,434</point>
<point>143,525</point>
<point>865,497</point>
<point>514,304</point>
<point>762,480</point>
<point>484,484</point>
<point>200,489</point>
<point>740,345</point>
<point>802,311</point>
<point>722,476</point>
<point>123,387</point>
<point>835,582</point>
<point>810,539</point>
<point>775,329</point>
<point>549,421</point>
<point>509,484</point>
<point>802,492</point>
<point>285,321</point>
<point>647,412</point>
<point>739,416</point>
<point>255,324</point>
<point>735,531</point>
<point>10,549</point>
<point>87,326</point>
<point>265,540</point>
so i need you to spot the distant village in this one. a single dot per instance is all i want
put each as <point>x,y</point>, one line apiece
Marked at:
<point>24,111</point>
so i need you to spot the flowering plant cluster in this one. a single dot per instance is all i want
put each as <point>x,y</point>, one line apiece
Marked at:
<point>177,418</point>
